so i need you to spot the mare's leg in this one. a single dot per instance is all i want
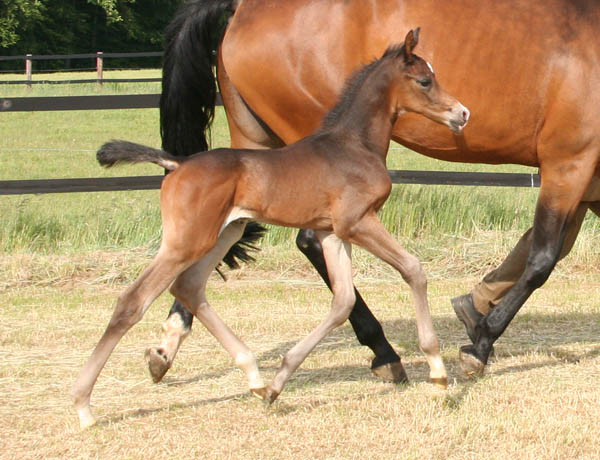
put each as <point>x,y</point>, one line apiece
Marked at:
<point>470,308</point>
<point>131,306</point>
<point>370,234</point>
<point>563,186</point>
<point>247,131</point>
<point>386,363</point>
<point>190,288</point>
<point>339,267</point>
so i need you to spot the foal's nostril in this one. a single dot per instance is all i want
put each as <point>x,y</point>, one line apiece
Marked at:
<point>466,114</point>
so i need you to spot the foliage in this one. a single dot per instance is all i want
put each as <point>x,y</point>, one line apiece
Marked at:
<point>67,27</point>
<point>15,14</point>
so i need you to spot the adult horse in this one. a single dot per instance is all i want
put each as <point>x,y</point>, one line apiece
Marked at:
<point>529,70</point>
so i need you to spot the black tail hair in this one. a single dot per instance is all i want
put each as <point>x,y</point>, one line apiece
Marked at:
<point>189,90</point>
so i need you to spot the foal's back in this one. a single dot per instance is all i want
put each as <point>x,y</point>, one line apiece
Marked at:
<point>299,185</point>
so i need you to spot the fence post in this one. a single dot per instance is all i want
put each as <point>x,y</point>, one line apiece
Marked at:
<point>99,67</point>
<point>28,69</point>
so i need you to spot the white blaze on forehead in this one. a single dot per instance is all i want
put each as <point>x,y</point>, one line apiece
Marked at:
<point>430,66</point>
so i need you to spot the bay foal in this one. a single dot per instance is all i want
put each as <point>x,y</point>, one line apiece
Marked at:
<point>334,182</point>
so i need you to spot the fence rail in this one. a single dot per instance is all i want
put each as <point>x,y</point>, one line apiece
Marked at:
<point>113,184</point>
<point>140,101</point>
<point>54,57</point>
<point>98,56</point>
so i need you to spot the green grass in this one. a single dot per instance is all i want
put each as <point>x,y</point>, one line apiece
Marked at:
<point>62,145</point>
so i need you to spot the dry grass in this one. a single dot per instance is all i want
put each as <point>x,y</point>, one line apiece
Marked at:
<point>539,399</point>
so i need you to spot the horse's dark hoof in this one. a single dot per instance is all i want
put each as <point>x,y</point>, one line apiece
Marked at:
<point>471,365</point>
<point>467,314</point>
<point>391,372</point>
<point>157,363</point>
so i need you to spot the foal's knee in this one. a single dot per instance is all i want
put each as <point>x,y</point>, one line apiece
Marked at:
<point>343,302</point>
<point>128,312</point>
<point>413,272</point>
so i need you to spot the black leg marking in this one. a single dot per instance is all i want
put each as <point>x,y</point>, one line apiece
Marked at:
<point>184,313</point>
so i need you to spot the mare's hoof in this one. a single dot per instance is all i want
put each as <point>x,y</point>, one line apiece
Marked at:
<point>260,393</point>
<point>440,382</point>
<point>270,395</point>
<point>467,314</point>
<point>391,372</point>
<point>471,365</point>
<point>157,363</point>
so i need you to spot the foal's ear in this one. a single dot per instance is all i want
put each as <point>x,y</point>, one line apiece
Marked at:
<point>411,40</point>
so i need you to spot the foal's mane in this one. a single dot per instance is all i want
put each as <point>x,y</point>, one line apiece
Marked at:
<point>354,83</point>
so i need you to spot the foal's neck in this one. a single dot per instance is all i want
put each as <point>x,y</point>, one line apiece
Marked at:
<point>366,111</point>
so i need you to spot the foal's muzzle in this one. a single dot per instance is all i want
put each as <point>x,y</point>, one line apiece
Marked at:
<point>459,119</point>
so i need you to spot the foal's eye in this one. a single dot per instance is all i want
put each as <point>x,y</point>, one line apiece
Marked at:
<point>425,83</point>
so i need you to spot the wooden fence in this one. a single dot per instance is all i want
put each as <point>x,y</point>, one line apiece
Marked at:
<point>99,61</point>
<point>140,101</point>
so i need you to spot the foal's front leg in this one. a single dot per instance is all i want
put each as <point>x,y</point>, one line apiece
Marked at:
<point>339,267</point>
<point>370,234</point>
<point>386,364</point>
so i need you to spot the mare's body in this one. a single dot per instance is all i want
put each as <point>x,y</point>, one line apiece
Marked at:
<point>529,70</point>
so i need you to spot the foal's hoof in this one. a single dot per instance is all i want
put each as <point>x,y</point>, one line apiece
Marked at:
<point>391,372</point>
<point>271,395</point>
<point>157,363</point>
<point>86,419</point>
<point>440,382</point>
<point>471,365</point>
<point>260,393</point>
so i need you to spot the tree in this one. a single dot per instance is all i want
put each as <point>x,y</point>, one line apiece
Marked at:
<point>78,26</point>
<point>15,14</point>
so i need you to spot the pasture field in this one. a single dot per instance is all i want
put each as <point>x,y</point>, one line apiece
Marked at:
<point>63,144</point>
<point>538,400</point>
<point>65,258</point>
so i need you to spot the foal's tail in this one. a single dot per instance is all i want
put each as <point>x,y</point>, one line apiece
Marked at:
<point>115,152</point>
<point>189,90</point>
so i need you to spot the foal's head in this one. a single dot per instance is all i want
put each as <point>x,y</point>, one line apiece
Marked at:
<point>415,88</point>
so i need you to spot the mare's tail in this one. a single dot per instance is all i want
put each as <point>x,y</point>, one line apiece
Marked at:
<point>189,90</point>
<point>115,152</point>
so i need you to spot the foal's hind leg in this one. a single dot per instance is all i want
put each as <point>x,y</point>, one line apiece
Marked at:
<point>131,306</point>
<point>339,267</point>
<point>190,287</point>
<point>175,329</point>
<point>248,132</point>
<point>370,234</point>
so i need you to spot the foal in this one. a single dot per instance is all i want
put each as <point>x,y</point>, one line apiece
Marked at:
<point>334,182</point>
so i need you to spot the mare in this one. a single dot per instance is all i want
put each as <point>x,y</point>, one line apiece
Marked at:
<point>333,182</point>
<point>529,71</point>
